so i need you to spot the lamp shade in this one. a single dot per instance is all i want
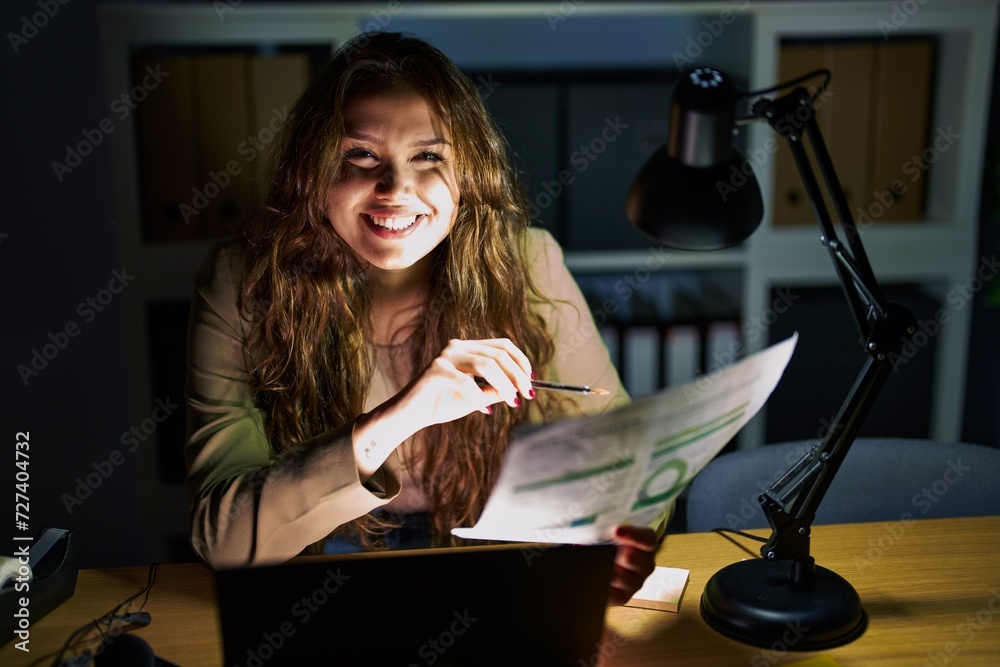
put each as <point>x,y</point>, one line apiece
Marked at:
<point>697,192</point>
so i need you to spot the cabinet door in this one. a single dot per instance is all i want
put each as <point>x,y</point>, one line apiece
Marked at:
<point>220,84</point>
<point>874,117</point>
<point>843,113</point>
<point>275,84</point>
<point>612,129</point>
<point>828,358</point>
<point>165,128</point>
<point>901,117</point>
<point>528,116</point>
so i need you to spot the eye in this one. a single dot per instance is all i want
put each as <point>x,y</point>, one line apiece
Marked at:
<point>359,156</point>
<point>428,156</point>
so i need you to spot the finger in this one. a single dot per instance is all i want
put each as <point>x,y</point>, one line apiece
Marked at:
<point>508,357</point>
<point>497,361</point>
<point>640,563</point>
<point>624,584</point>
<point>494,364</point>
<point>638,537</point>
<point>496,381</point>
<point>466,386</point>
<point>523,380</point>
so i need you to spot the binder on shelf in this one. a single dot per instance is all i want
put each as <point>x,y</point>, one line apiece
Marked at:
<point>790,205</point>
<point>848,114</point>
<point>722,345</point>
<point>609,334</point>
<point>275,83</point>
<point>901,118</point>
<point>221,93</point>
<point>843,113</point>
<point>873,118</point>
<point>681,354</point>
<point>641,346</point>
<point>165,134</point>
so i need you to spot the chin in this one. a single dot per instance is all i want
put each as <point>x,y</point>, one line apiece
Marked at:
<point>395,264</point>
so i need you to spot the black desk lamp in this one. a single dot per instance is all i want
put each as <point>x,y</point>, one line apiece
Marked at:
<point>683,197</point>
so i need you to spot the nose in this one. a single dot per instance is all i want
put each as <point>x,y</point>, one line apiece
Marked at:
<point>394,180</point>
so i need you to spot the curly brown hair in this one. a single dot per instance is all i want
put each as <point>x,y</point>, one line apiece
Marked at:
<point>309,300</point>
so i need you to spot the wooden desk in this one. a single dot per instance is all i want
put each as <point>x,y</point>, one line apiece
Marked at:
<point>918,582</point>
<point>930,588</point>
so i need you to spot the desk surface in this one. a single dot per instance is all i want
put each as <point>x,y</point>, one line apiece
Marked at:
<point>931,590</point>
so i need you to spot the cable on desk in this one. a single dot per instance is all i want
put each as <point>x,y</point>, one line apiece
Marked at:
<point>756,538</point>
<point>139,618</point>
<point>723,532</point>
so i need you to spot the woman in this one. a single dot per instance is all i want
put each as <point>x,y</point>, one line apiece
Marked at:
<point>358,361</point>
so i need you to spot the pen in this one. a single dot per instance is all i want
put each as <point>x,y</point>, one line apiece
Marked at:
<point>557,386</point>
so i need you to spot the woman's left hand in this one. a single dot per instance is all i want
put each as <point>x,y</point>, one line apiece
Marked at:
<point>634,561</point>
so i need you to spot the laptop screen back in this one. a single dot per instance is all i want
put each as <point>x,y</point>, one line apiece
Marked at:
<point>482,605</point>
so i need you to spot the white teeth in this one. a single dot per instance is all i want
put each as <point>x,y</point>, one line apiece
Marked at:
<point>394,224</point>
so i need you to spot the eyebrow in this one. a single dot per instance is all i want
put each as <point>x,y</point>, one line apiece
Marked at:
<point>434,141</point>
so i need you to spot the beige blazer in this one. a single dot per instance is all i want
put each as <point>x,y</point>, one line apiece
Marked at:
<point>249,506</point>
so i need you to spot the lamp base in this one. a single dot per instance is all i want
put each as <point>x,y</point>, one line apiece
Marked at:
<point>756,602</point>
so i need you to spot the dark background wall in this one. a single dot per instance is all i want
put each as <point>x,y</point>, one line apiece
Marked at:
<point>58,247</point>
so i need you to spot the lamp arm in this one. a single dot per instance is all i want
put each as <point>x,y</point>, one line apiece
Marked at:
<point>790,504</point>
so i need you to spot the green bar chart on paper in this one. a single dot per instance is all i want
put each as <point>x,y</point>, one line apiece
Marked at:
<point>573,481</point>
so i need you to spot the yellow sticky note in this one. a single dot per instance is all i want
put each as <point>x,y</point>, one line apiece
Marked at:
<point>662,590</point>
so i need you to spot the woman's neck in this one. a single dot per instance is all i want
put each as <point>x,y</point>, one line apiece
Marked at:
<point>397,300</point>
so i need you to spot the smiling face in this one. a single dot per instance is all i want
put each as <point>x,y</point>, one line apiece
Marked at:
<point>397,195</point>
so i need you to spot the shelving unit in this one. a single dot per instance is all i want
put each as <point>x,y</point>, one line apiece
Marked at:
<point>938,252</point>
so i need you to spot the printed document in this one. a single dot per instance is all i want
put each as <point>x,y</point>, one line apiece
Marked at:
<point>572,481</point>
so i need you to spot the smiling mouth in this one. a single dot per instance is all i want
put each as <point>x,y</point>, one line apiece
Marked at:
<point>394,224</point>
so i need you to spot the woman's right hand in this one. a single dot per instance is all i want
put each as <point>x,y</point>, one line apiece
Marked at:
<point>446,390</point>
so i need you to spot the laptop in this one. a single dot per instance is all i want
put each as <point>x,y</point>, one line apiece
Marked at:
<point>511,604</point>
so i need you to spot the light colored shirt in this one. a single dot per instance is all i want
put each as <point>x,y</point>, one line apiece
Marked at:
<point>250,505</point>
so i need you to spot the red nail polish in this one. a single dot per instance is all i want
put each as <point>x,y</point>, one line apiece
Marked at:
<point>533,375</point>
<point>531,393</point>
<point>517,401</point>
